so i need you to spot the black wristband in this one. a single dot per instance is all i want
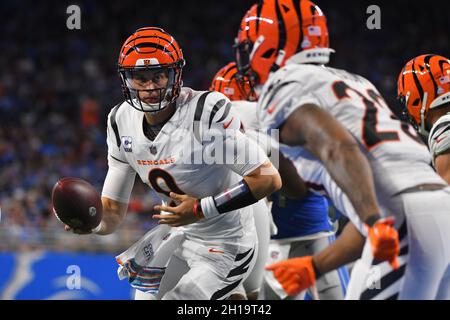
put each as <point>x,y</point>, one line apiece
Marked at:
<point>236,197</point>
<point>370,221</point>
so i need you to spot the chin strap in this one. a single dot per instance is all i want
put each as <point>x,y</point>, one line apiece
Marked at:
<point>439,101</point>
<point>422,129</point>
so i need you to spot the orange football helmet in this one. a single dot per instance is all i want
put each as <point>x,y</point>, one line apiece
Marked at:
<point>274,30</point>
<point>151,55</point>
<point>423,84</point>
<point>229,82</point>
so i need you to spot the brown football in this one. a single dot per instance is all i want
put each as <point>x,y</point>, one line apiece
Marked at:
<point>77,203</point>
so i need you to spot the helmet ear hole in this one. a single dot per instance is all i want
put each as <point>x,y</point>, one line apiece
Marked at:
<point>416,102</point>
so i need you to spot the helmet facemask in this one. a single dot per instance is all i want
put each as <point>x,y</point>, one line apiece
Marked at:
<point>420,126</point>
<point>151,88</point>
<point>245,87</point>
<point>243,52</point>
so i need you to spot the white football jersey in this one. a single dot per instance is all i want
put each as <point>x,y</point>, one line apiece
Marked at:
<point>312,172</point>
<point>439,138</point>
<point>199,151</point>
<point>247,113</point>
<point>398,158</point>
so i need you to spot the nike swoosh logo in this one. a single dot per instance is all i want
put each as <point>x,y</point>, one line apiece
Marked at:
<point>215,250</point>
<point>439,139</point>
<point>226,125</point>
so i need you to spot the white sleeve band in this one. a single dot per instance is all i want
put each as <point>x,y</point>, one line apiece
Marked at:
<point>209,207</point>
<point>119,181</point>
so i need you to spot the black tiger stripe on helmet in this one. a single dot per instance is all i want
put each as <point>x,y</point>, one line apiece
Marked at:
<point>423,84</point>
<point>273,31</point>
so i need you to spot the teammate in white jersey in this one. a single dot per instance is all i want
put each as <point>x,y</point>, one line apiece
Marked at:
<point>236,89</point>
<point>345,124</point>
<point>424,90</point>
<point>187,146</point>
<point>303,227</point>
<point>349,245</point>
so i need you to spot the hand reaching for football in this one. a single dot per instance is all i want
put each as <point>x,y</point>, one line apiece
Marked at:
<point>77,204</point>
<point>182,214</point>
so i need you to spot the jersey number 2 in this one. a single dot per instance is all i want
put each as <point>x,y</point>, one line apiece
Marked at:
<point>371,136</point>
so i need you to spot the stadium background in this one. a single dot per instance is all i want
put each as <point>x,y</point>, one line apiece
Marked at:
<point>58,85</point>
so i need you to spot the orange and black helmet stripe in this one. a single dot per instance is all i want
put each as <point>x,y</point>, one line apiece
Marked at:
<point>149,44</point>
<point>164,36</point>
<point>427,59</point>
<point>422,75</point>
<point>281,27</point>
<point>285,24</point>
<point>230,83</point>
<point>230,68</point>
<point>151,37</point>
<point>416,79</point>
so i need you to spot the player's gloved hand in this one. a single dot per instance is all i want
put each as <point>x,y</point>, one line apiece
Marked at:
<point>186,212</point>
<point>384,241</point>
<point>295,274</point>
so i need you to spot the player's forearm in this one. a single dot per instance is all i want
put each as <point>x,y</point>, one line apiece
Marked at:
<point>351,171</point>
<point>260,183</point>
<point>113,215</point>
<point>263,181</point>
<point>347,248</point>
<point>293,186</point>
<point>445,175</point>
<point>339,152</point>
<point>442,165</point>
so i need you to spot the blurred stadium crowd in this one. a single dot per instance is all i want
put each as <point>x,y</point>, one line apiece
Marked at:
<point>58,85</point>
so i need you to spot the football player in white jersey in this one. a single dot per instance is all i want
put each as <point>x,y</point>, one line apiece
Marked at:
<point>423,84</point>
<point>304,226</point>
<point>344,122</point>
<point>234,88</point>
<point>187,146</point>
<point>424,90</point>
<point>349,245</point>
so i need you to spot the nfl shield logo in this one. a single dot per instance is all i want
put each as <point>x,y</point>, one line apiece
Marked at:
<point>153,150</point>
